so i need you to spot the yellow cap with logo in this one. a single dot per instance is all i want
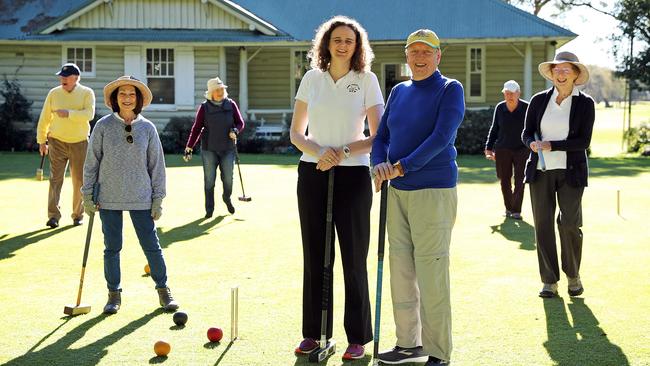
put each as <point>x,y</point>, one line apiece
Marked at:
<point>425,36</point>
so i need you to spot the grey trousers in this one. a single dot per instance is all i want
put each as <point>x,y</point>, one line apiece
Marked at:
<point>548,189</point>
<point>419,227</point>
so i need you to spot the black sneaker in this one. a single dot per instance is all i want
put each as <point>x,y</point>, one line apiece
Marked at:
<point>402,355</point>
<point>231,208</point>
<point>52,222</point>
<point>78,221</point>
<point>434,361</point>
<point>208,215</point>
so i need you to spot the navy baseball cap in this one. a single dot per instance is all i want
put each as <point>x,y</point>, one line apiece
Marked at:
<point>68,69</point>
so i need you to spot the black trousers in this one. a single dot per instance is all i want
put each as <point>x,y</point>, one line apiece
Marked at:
<point>509,161</point>
<point>548,187</point>
<point>351,218</point>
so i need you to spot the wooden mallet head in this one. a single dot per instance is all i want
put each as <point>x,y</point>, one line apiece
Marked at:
<point>73,310</point>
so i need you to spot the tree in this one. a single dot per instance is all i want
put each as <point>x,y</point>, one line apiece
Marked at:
<point>537,4</point>
<point>604,85</point>
<point>15,108</point>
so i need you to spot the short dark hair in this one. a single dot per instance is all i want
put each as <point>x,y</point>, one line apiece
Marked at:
<point>138,101</point>
<point>320,54</point>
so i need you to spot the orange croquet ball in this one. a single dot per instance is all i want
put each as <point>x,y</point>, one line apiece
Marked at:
<point>162,348</point>
<point>215,334</point>
<point>147,269</point>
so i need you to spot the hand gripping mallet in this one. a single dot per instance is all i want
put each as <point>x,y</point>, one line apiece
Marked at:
<point>380,268</point>
<point>241,181</point>
<point>39,171</point>
<point>325,348</point>
<point>542,163</point>
<point>80,308</point>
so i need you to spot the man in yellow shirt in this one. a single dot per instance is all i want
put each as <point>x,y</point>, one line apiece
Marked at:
<point>62,133</point>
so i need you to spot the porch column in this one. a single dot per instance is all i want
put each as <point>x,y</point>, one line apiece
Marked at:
<point>243,81</point>
<point>222,64</point>
<point>550,54</point>
<point>528,72</point>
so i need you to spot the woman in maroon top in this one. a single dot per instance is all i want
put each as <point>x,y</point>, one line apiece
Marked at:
<point>218,121</point>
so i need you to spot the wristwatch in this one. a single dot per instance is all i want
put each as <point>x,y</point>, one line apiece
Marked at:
<point>399,168</point>
<point>346,151</point>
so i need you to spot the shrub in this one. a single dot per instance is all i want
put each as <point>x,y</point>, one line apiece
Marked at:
<point>175,134</point>
<point>15,108</point>
<point>638,138</point>
<point>473,132</point>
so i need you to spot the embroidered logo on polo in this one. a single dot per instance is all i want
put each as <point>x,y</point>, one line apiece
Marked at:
<point>353,88</point>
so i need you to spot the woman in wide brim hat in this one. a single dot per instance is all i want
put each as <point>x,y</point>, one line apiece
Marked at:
<point>126,166</point>
<point>127,80</point>
<point>217,123</point>
<point>558,128</point>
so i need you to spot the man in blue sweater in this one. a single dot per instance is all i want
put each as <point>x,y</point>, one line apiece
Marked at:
<point>414,149</point>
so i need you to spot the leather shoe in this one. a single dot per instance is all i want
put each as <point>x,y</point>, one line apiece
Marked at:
<point>52,222</point>
<point>78,221</point>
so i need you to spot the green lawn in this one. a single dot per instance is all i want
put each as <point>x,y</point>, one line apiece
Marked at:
<point>498,318</point>
<point>608,127</point>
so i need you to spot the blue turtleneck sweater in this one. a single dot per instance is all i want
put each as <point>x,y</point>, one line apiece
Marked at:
<point>418,129</point>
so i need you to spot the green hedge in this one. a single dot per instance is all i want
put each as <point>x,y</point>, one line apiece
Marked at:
<point>473,132</point>
<point>638,139</point>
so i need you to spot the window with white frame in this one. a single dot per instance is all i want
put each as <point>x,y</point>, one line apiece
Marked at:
<point>84,57</point>
<point>476,74</point>
<point>160,75</point>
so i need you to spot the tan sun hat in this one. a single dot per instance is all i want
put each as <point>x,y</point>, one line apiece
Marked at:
<point>127,80</point>
<point>214,84</point>
<point>562,57</point>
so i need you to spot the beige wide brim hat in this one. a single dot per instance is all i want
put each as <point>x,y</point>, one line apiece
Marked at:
<point>127,80</point>
<point>562,57</point>
<point>214,84</point>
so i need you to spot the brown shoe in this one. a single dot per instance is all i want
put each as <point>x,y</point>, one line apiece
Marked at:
<point>166,299</point>
<point>114,302</point>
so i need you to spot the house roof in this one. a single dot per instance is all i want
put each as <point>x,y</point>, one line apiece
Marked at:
<point>297,19</point>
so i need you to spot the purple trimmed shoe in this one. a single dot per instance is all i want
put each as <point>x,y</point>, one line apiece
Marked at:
<point>307,346</point>
<point>354,352</point>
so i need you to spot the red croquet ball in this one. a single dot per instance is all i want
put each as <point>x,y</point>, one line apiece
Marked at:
<point>215,334</point>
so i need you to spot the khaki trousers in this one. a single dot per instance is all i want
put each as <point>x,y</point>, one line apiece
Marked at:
<point>419,227</point>
<point>60,154</point>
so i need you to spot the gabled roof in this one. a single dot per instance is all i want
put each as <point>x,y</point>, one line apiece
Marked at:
<point>393,20</point>
<point>296,20</point>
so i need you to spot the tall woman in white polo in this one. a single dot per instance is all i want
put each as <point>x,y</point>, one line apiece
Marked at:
<point>333,100</point>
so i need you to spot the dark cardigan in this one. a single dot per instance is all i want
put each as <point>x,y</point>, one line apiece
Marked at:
<point>581,124</point>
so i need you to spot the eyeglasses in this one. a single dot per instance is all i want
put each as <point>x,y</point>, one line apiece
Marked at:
<point>129,137</point>
<point>562,70</point>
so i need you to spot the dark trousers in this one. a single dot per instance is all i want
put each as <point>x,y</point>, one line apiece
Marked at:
<point>225,160</point>
<point>548,187</point>
<point>509,161</point>
<point>351,216</point>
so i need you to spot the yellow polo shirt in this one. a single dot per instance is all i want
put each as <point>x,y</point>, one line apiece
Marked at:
<point>80,103</point>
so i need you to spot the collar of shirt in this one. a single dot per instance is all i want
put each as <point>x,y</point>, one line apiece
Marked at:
<point>566,100</point>
<point>136,119</point>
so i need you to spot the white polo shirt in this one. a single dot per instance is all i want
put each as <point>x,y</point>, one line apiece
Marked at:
<point>555,127</point>
<point>336,111</point>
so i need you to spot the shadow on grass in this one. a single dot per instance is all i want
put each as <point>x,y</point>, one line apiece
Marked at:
<point>223,354</point>
<point>584,342</point>
<point>516,230</point>
<point>176,160</point>
<point>188,231</point>
<point>365,360</point>
<point>62,353</point>
<point>9,246</point>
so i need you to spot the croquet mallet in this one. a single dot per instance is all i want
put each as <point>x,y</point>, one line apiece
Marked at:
<point>80,308</point>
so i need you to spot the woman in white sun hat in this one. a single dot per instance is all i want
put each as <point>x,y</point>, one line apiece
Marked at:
<point>559,123</point>
<point>218,121</point>
<point>125,161</point>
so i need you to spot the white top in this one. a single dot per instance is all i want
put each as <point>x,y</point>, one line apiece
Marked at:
<point>336,111</point>
<point>555,127</point>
